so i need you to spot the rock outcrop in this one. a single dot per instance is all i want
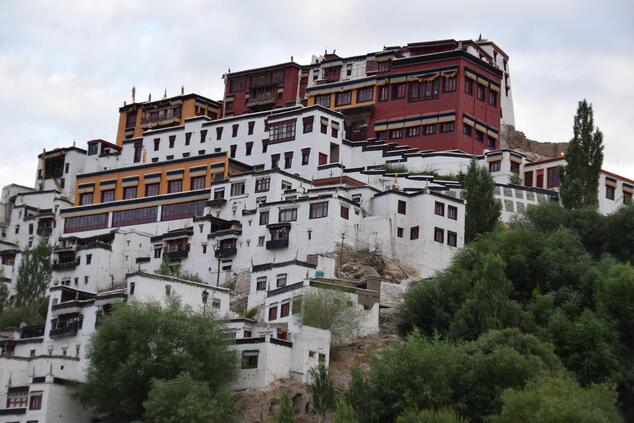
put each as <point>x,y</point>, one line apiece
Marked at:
<point>534,150</point>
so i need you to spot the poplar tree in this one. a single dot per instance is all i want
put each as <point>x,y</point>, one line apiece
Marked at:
<point>286,413</point>
<point>34,274</point>
<point>579,179</point>
<point>482,210</point>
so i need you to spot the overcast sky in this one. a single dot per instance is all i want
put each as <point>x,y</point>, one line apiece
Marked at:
<point>67,66</point>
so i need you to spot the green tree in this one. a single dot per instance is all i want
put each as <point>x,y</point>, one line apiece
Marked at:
<point>331,309</point>
<point>34,275</point>
<point>184,399</point>
<point>580,177</point>
<point>4,292</point>
<point>444,415</point>
<point>619,234</point>
<point>345,413</point>
<point>322,393</point>
<point>286,413</point>
<point>559,399</point>
<point>482,210</point>
<point>360,397</point>
<point>142,342</point>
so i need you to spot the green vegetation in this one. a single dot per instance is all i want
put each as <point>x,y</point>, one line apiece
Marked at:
<point>174,270</point>
<point>533,322</point>
<point>584,157</point>
<point>331,309</point>
<point>159,364</point>
<point>400,168</point>
<point>286,413</point>
<point>322,393</point>
<point>482,210</point>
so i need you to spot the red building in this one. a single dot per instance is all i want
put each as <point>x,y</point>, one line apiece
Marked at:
<point>260,89</point>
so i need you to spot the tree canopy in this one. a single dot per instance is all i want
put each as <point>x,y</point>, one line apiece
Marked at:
<point>145,356</point>
<point>482,210</point>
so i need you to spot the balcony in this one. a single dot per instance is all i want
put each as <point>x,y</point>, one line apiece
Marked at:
<point>217,202</point>
<point>69,330</point>
<point>44,230</point>
<point>226,252</point>
<point>277,244</point>
<point>68,265</point>
<point>178,254</point>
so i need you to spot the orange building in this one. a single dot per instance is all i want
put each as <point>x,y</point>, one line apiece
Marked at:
<point>146,193</point>
<point>136,118</point>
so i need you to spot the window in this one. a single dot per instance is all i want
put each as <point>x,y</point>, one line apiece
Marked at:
<point>232,151</point>
<point>398,91</point>
<point>260,241</point>
<point>305,156</point>
<point>429,129</point>
<point>175,185</point>
<point>399,232</point>
<point>92,149</point>
<point>439,208</point>
<point>250,359</point>
<point>308,124</point>
<point>452,212</point>
<point>234,130</point>
<point>413,233</point>
<point>479,136</point>
<point>282,131</point>
<point>345,212</point>
<point>334,132</point>
<point>172,139</point>
<point>423,90</point>
<point>152,189</point>
<point>135,216</point>
<point>528,179</point>
<point>85,198</point>
<point>402,207</point>
<point>452,239</point>
<point>183,210</point>
<point>251,126</point>
<point>288,215</point>
<point>275,159</point>
<point>344,98</point>
<point>17,397</point>
<point>260,283</point>
<point>413,131</point>
<point>384,66</point>
<point>466,129</point>
<point>262,184</point>
<point>323,100</point>
<point>288,160</point>
<point>480,92</point>
<point>349,69</point>
<point>318,210</point>
<point>138,151</point>
<point>449,84</point>
<point>396,133</point>
<point>197,182</point>
<point>238,84</point>
<point>285,309</point>
<point>381,135</point>
<point>264,218</point>
<point>495,166</point>
<point>493,98</point>
<point>439,235</point>
<point>157,252</point>
<point>219,193</point>
<point>491,142</point>
<point>218,133</point>
<point>365,94</point>
<point>84,223</point>
<point>627,197</point>
<point>552,175</point>
<point>272,313</point>
<point>515,168</point>
<point>237,188</point>
<point>446,127</point>
<point>286,185</point>
<point>324,128</point>
<point>157,144</point>
<point>609,192</point>
<point>188,137</point>
<point>129,193</point>
<point>468,86</point>
<point>107,196</point>
<point>249,147</point>
<point>281,280</point>
<point>384,93</point>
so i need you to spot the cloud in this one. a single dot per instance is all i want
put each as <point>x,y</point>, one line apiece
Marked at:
<point>66,66</point>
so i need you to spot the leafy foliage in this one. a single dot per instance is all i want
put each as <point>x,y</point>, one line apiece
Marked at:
<point>34,275</point>
<point>345,413</point>
<point>559,399</point>
<point>184,399</point>
<point>482,210</point>
<point>142,343</point>
<point>444,415</point>
<point>286,413</point>
<point>584,157</point>
<point>331,309</point>
<point>322,393</point>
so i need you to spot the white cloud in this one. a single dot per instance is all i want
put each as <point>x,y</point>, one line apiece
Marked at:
<point>66,66</point>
